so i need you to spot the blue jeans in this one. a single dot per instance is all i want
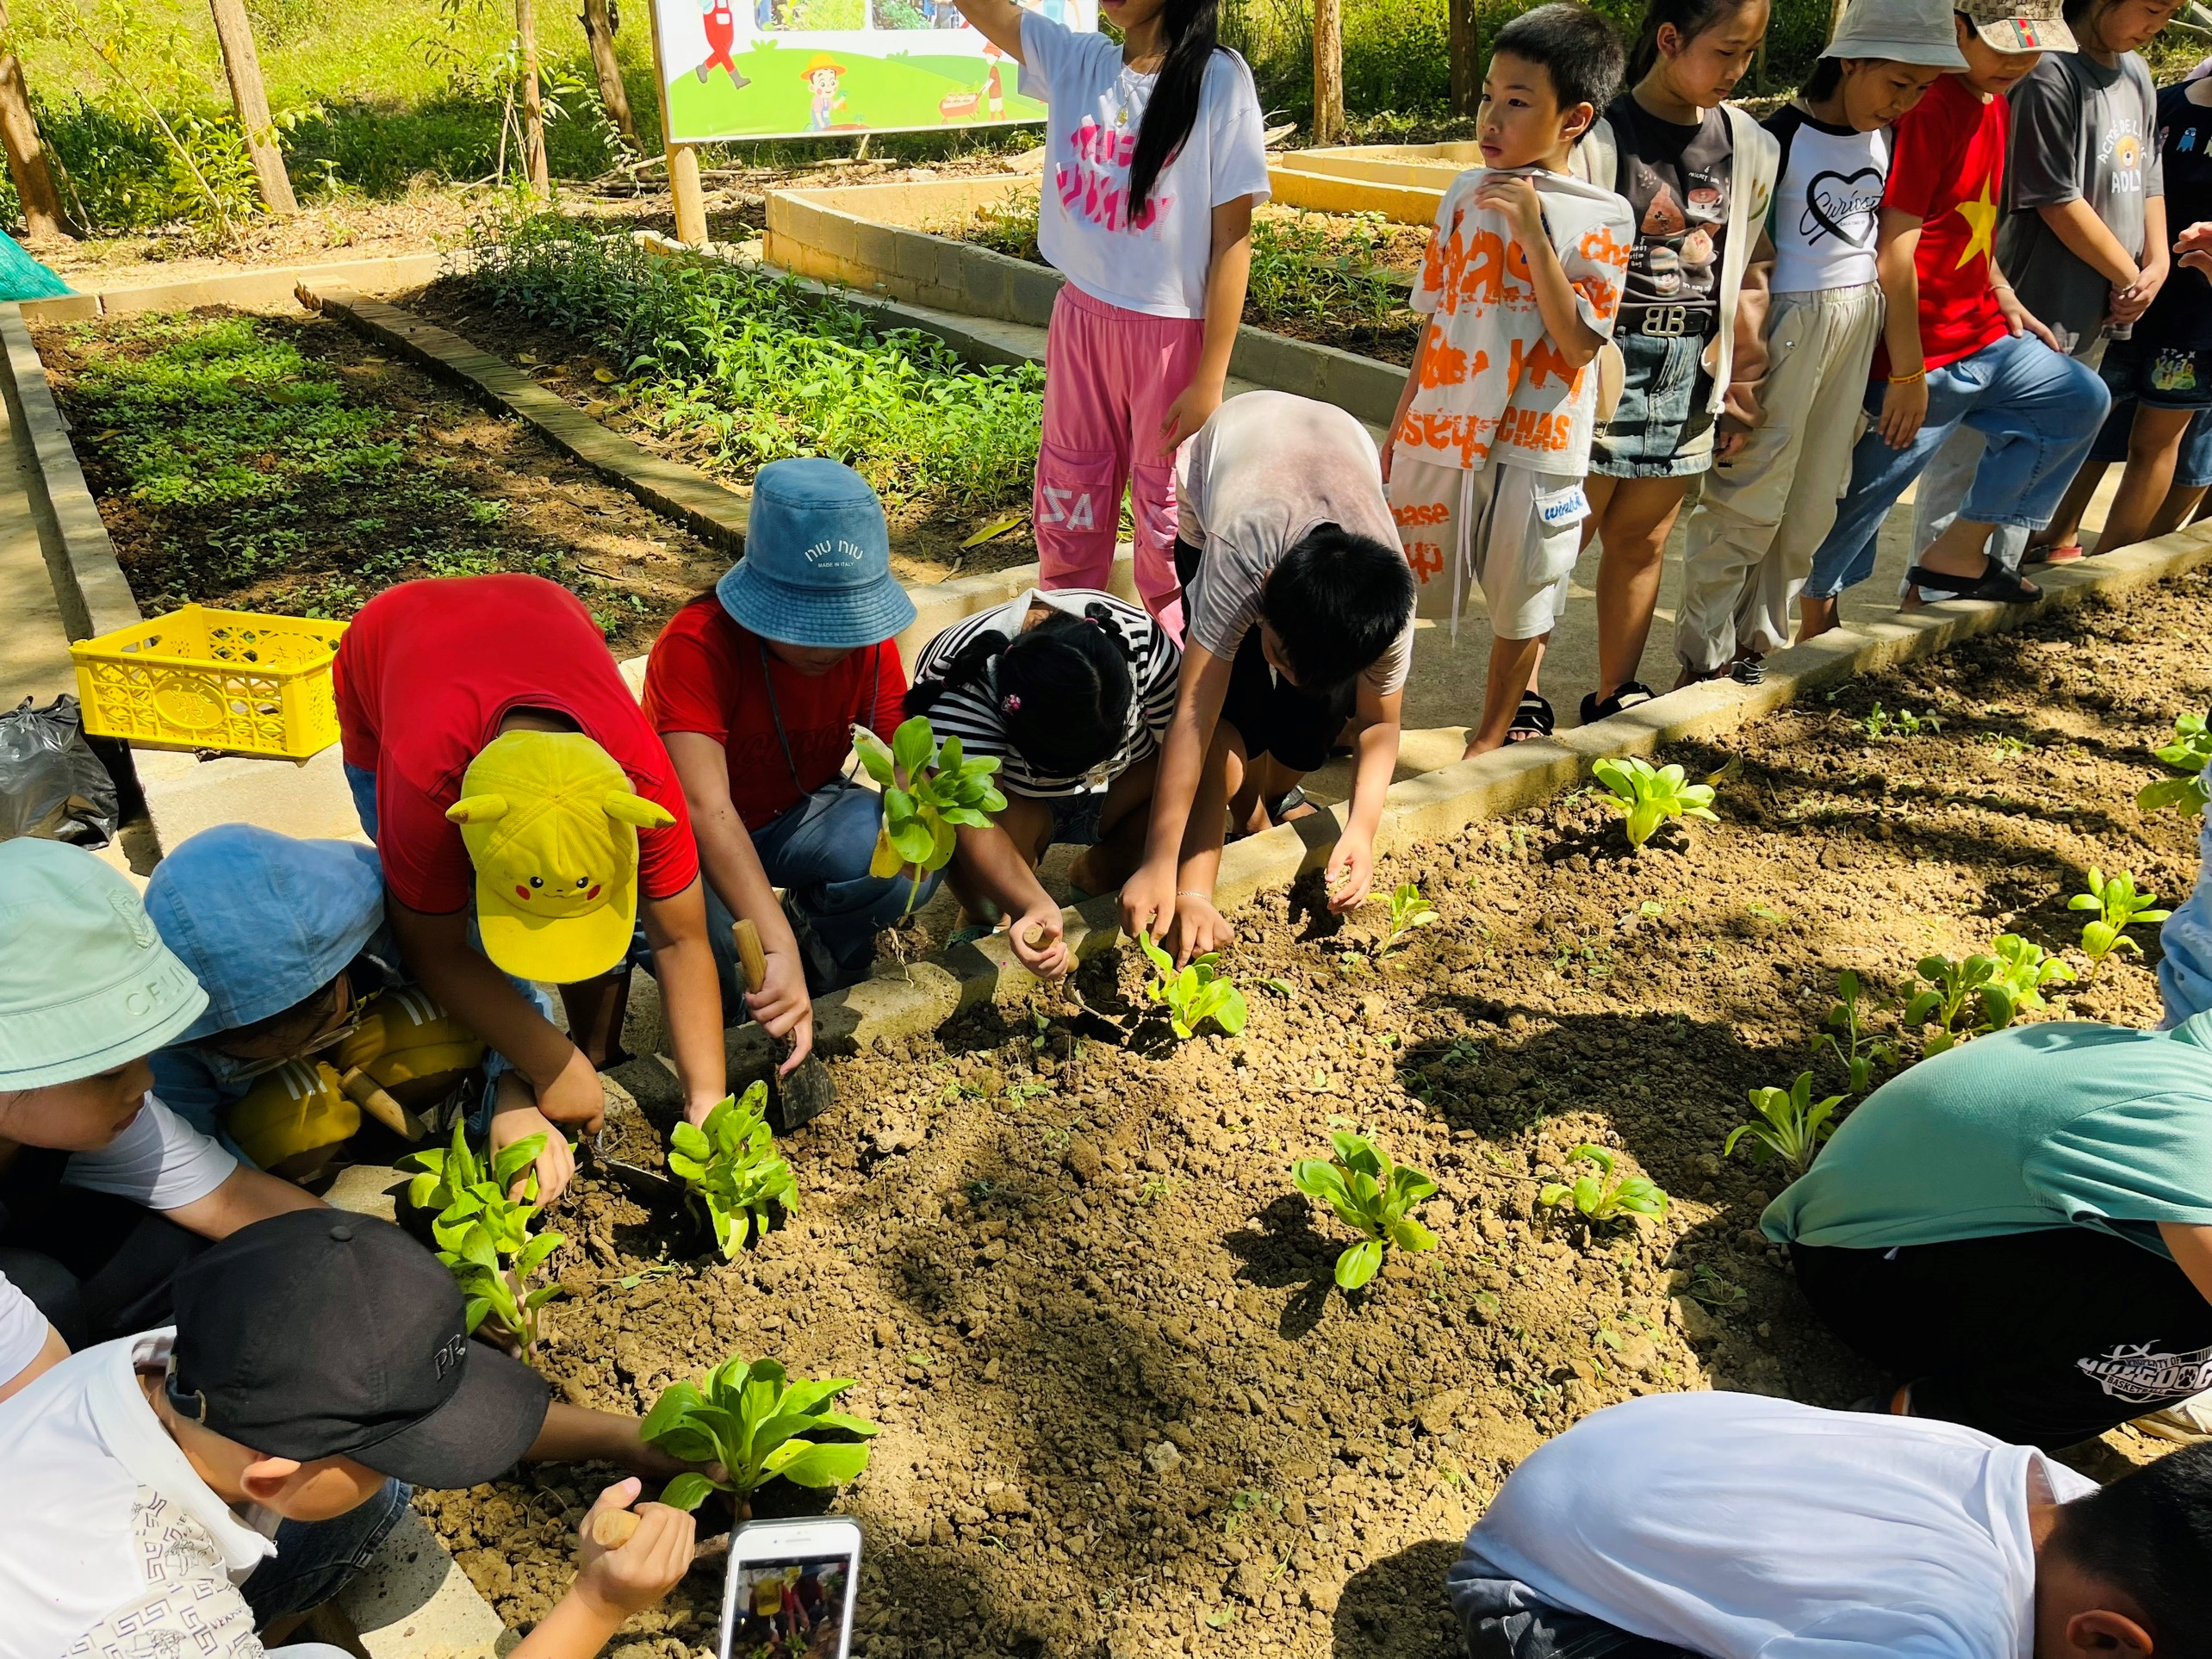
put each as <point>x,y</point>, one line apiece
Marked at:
<point>315,1559</point>
<point>819,852</point>
<point>2038,411</point>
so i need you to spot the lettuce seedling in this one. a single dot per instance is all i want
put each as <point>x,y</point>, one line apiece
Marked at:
<point>1794,1125</point>
<point>943,792</point>
<point>1648,795</point>
<point>1846,1039</point>
<point>754,1421</point>
<point>2187,754</point>
<point>2118,907</point>
<point>2024,969</point>
<point>1598,1196</point>
<point>1964,999</point>
<point>730,1166</point>
<point>1372,1195</point>
<point>482,1234</point>
<point>1409,912</point>
<point>1198,993</point>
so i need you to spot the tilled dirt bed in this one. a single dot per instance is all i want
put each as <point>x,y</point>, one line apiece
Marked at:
<point>1125,1410</point>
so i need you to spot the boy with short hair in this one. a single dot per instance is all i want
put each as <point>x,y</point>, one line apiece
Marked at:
<point>208,1479</point>
<point>1522,280</point>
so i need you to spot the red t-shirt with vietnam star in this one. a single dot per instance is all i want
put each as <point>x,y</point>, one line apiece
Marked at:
<point>1947,169</point>
<point>425,674</point>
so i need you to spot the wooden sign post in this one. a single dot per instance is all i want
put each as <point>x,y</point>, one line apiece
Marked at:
<point>683,159</point>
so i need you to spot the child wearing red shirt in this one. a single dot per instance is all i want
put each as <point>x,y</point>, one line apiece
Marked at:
<point>1968,353</point>
<point>527,819</point>
<point>756,688</point>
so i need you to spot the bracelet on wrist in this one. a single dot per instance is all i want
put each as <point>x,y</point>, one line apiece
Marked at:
<point>1907,380</point>
<point>2006,288</point>
<point>1192,892</point>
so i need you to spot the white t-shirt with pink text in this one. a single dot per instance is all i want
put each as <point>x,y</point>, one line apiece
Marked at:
<point>1158,263</point>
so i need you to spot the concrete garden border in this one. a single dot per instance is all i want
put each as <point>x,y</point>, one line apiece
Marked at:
<point>870,238</point>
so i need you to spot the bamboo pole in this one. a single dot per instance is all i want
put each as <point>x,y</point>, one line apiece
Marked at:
<point>1328,71</point>
<point>242,63</point>
<point>683,159</point>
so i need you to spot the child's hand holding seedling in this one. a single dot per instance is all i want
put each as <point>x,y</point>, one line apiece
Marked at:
<point>1351,874</point>
<point>1194,994</point>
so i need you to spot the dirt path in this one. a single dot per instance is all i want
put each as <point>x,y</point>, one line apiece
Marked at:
<point>1123,1403</point>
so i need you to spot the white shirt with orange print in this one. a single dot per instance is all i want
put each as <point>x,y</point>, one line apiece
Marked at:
<point>1492,386</point>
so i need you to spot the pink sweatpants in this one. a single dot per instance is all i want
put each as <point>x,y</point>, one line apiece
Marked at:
<point>1109,376</point>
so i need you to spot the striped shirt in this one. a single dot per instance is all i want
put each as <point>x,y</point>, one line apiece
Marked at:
<point>970,712</point>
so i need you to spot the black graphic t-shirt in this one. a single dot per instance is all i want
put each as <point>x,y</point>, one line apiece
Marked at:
<point>1828,199</point>
<point>1675,179</point>
<point>2180,319</point>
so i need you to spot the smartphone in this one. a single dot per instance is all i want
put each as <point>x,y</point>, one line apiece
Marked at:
<point>790,1591</point>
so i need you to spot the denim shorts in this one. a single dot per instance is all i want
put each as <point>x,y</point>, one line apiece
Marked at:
<point>1663,427</point>
<point>2128,378</point>
<point>1077,818</point>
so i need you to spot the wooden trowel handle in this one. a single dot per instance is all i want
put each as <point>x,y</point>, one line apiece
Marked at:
<point>750,956</point>
<point>612,1528</point>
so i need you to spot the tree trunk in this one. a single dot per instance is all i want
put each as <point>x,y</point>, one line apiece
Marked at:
<point>533,114</point>
<point>43,219</point>
<point>1834,17</point>
<point>1328,71</point>
<point>1466,48</point>
<point>242,65</point>
<point>599,30</point>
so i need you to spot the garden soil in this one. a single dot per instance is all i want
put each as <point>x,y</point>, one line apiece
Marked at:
<point>1126,1411</point>
<point>508,500</point>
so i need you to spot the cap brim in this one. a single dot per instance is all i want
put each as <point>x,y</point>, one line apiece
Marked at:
<point>491,1420</point>
<point>2019,35</point>
<point>840,620</point>
<point>98,1033</point>
<point>1922,54</point>
<point>560,950</point>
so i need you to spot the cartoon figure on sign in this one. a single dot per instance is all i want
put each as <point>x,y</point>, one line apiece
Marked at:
<point>721,26</point>
<point>821,75</point>
<point>994,89</point>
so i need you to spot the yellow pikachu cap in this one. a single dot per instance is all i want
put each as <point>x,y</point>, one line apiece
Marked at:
<point>551,826</point>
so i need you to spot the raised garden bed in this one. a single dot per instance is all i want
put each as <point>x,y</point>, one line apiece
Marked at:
<point>1124,1408</point>
<point>281,464</point>
<point>725,369</point>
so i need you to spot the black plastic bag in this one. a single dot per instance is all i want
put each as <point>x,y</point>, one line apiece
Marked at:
<point>51,782</point>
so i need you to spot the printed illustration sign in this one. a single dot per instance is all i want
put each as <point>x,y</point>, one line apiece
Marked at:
<point>763,69</point>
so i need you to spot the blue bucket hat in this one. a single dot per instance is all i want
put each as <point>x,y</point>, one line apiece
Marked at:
<point>817,569</point>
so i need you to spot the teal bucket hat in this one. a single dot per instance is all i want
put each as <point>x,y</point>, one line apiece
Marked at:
<point>85,983</point>
<point>817,569</point>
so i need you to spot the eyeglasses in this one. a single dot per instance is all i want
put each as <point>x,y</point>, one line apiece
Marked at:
<point>347,1009</point>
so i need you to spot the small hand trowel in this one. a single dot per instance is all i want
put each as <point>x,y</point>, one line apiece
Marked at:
<point>810,1091</point>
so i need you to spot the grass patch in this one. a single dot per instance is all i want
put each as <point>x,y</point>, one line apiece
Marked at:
<point>751,369</point>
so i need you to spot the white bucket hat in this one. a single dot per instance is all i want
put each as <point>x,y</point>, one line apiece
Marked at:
<point>1903,31</point>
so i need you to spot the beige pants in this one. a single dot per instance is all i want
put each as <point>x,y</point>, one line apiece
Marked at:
<point>1513,533</point>
<point>1764,514</point>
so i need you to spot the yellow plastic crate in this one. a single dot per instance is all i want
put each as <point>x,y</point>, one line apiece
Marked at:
<point>199,678</point>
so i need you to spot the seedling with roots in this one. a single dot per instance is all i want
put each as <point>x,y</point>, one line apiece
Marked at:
<point>931,793</point>
<point>482,1235</point>
<point>2187,754</point>
<point>1372,1195</point>
<point>1409,913</point>
<point>2024,968</point>
<point>2118,906</point>
<point>1195,994</point>
<point>1600,1197</point>
<point>1794,1124</point>
<point>1648,797</point>
<point>729,1165</point>
<point>1846,1039</point>
<point>754,1421</point>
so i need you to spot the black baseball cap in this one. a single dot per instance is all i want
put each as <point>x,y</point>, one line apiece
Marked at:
<point>318,1334</point>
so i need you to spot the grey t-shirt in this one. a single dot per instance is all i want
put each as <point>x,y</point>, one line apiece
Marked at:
<point>1255,481</point>
<point>2081,132</point>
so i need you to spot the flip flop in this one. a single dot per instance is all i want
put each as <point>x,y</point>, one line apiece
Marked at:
<point>2064,553</point>
<point>1627,697</point>
<point>1534,718</point>
<point>1289,801</point>
<point>1995,582</point>
<point>1747,671</point>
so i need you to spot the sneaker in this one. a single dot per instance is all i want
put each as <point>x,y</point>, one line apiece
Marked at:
<point>2185,1423</point>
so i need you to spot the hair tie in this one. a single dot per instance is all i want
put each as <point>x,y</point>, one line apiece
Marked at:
<point>1010,704</point>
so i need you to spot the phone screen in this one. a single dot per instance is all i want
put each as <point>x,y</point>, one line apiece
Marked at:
<point>790,1608</point>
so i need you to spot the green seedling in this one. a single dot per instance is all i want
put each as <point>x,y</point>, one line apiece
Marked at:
<point>754,1421</point>
<point>1409,913</point>
<point>2118,907</point>
<point>1370,1194</point>
<point>2024,969</point>
<point>1882,724</point>
<point>1648,797</point>
<point>1196,994</point>
<point>729,1165</point>
<point>1600,1197</point>
<point>1963,1000</point>
<point>943,793</point>
<point>1793,1125</point>
<point>2187,754</point>
<point>482,1232</point>
<point>1846,1039</point>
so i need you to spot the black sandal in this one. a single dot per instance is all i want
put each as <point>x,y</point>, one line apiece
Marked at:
<point>1995,582</point>
<point>1534,718</point>
<point>1628,696</point>
<point>1288,800</point>
<point>1747,670</point>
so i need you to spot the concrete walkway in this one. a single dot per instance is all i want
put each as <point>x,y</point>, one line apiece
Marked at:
<point>33,647</point>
